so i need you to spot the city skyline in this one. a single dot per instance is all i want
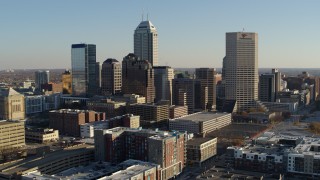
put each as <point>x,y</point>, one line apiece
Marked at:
<point>38,34</point>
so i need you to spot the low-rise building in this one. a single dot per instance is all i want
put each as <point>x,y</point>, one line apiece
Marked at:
<point>150,112</point>
<point>12,134</point>
<point>130,169</point>
<point>68,121</point>
<point>111,108</point>
<point>201,149</point>
<point>40,103</point>
<point>12,105</point>
<point>51,163</point>
<point>281,107</point>
<point>261,117</point>
<point>41,135</point>
<point>200,123</point>
<point>305,158</point>
<point>128,120</point>
<point>177,111</point>
<point>258,158</point>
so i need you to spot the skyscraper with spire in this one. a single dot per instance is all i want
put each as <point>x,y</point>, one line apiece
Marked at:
<point>146,42</point>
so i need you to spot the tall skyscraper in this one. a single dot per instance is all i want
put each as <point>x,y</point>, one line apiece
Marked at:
<point>163,76</point>
<point>111,80</point>
<point>208,80</point>
<point>138,77</point>
<point>98,77</point>
<point>267,90</point>
<point>146,42</point>
<point>240,68</point>
<point>83,62</point>
<point>41,77</point>
<point>188,92</point>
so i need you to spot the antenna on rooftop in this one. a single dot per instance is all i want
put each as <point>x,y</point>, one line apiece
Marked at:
<point>142,14</point>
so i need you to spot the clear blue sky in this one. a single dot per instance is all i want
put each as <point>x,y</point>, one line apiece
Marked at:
<point>39,34</point>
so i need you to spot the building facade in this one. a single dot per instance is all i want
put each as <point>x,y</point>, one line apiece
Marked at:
<point>138,77</point>
<point>111,78</point>
<point>267,88</point>
<point>208,80</point>
<point>146,42</point>
<point>83,62</point>
<point>200,123</point>
<point>188,92</point>
<point>42,135</point>
<point>12,104</point>
<point>68,121</point>
<point>67,82</point>
<point>150,112</point>
<point>41,77</point>
<point>12,134</point>
<point>201,149</point>
<point>127,120</point>
<point>163,76</point>
<point>240,69</point>
<point>119,144</point>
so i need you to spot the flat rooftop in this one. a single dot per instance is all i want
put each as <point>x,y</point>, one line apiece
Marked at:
<point>28,163</point>
<point>155,134</point>
<point>5,122</point>
<point>198,141</point>
<point>268,150</point>
<point>200,116</point>
<point>98,170</point>
<point>127,173</point>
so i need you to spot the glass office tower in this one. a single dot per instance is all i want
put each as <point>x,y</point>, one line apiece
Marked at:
<point>83,62</point>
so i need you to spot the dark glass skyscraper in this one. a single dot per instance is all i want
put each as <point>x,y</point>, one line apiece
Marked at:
<point>138,77</point>
<point>83,62</point>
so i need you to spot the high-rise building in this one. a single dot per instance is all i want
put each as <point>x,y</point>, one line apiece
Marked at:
<point>12,104</point>
<point>98,77</point>
<point>41,77</point>
<point>163,76</point>
<point>267,90</point>
<point>240,69</point>
<point>208,80</point>
<point>188,92</point>
<point>83,62</point>
<point>66,82</point>
<point>111,79</point>
<point>138,77</point>
<point>277,79</point>
<point>146,42</point>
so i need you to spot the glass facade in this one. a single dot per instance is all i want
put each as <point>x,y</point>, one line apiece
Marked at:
<point>83,62</point>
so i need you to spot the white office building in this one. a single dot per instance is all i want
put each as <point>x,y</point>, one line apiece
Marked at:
<point>240,67</point>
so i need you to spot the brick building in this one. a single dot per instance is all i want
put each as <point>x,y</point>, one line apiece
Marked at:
<point>68,121</point>
<point>168,149</point>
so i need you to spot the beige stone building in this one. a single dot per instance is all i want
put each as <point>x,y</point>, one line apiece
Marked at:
<point>201,149</point>
<point>42,135</point>
<point>12,106</point>
<point>11,134</point>
<point>240,69</point>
